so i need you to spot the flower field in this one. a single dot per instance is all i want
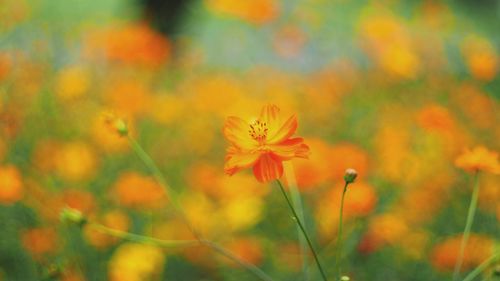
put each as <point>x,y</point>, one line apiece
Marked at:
<point>268,140</point>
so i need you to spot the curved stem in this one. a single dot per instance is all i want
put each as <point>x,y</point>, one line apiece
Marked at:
<point>141,238</point>
<point>252,268</point>
<point>173,198</point>
<point>339,236</point>
<point>180,243</point>
<point>468,226</point>
<point>480,268</point>
<point>301,226</point>
<point>150,164</point>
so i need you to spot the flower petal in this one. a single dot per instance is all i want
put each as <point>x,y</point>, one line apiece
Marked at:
<point>289,149</point>
<point>236,132</point>
<point>279,134</point>
<point>267,168</point>
<point>237,160</point>
<point>269,114</point>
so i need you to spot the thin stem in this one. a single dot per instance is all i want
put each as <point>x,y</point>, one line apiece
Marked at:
<point>173,199</point>
<point>141,238</point>
<point>150,164</point>
<point>297,202</point>
<point>480,268</point>
<point>468,225</point>
<point>299,223</point>
<point>180,243</point>
<point>339,236</point>
<point>250,267</point>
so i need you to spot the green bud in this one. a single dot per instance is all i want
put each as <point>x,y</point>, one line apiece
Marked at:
<point>72,216</point>
<point>121,127</point>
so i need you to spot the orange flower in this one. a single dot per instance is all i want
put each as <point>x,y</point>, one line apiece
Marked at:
<point>11,185</point>
<point>479,159</point>
<point>445,254</point>
<point>262,144</point>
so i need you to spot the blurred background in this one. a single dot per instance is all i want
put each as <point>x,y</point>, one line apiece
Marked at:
<point>394,89</point>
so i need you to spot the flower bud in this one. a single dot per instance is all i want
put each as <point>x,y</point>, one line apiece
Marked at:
<point>345,278</point>
<point>496,270</point>
<point>350,175</point>
<point>72,216</point>
<point>115,124</point>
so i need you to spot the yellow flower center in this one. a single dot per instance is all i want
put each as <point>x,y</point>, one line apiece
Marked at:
<point>258,131</point>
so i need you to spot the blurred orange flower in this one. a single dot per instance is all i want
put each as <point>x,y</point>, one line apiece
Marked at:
<point>114,219</point>
<point>479,159</point>
<point>135,43</point>
<point>254,11</point>
<point>247,249</point>
<point>310,174</point>
<point>445,254</point>
<point>11,185</point>
<point>481,57</point>
<point>138,191</point>
<point>262,144</point>
<point>40,241</point>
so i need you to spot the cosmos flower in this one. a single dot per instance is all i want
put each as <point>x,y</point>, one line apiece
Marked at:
<point>479,159</point>
<point>263,144</point>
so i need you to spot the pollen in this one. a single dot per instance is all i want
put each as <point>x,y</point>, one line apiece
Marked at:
<point>258,131</point>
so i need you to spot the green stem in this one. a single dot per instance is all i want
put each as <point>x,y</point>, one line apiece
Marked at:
<point>468,226</point>
<point>250,267</point>
<point>150,164</point>
<point>173,199</point>
<point>339,236</point>
<point>297,202</point>
<point>480,268</point>
<point>143,239</point>
<point>301,226</point>
<point>180,243</point>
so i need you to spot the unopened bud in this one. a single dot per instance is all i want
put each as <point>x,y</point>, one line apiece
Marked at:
<point>115,124</point>
<point>344,278</point>
<point>350,175</point>
<point>72,216</point>
<point>496,270</point>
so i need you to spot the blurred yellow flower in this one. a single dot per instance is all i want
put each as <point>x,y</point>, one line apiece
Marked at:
<point>241,214</point>
<point>136,262</point>
<point>72,82</point>
<point>479,159</point>
<point>75,161</point>
<point>386,39</point>
<point>11,185</point>
<point>262,144</point>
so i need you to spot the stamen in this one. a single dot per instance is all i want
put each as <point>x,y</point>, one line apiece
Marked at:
<point>258,131</point>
